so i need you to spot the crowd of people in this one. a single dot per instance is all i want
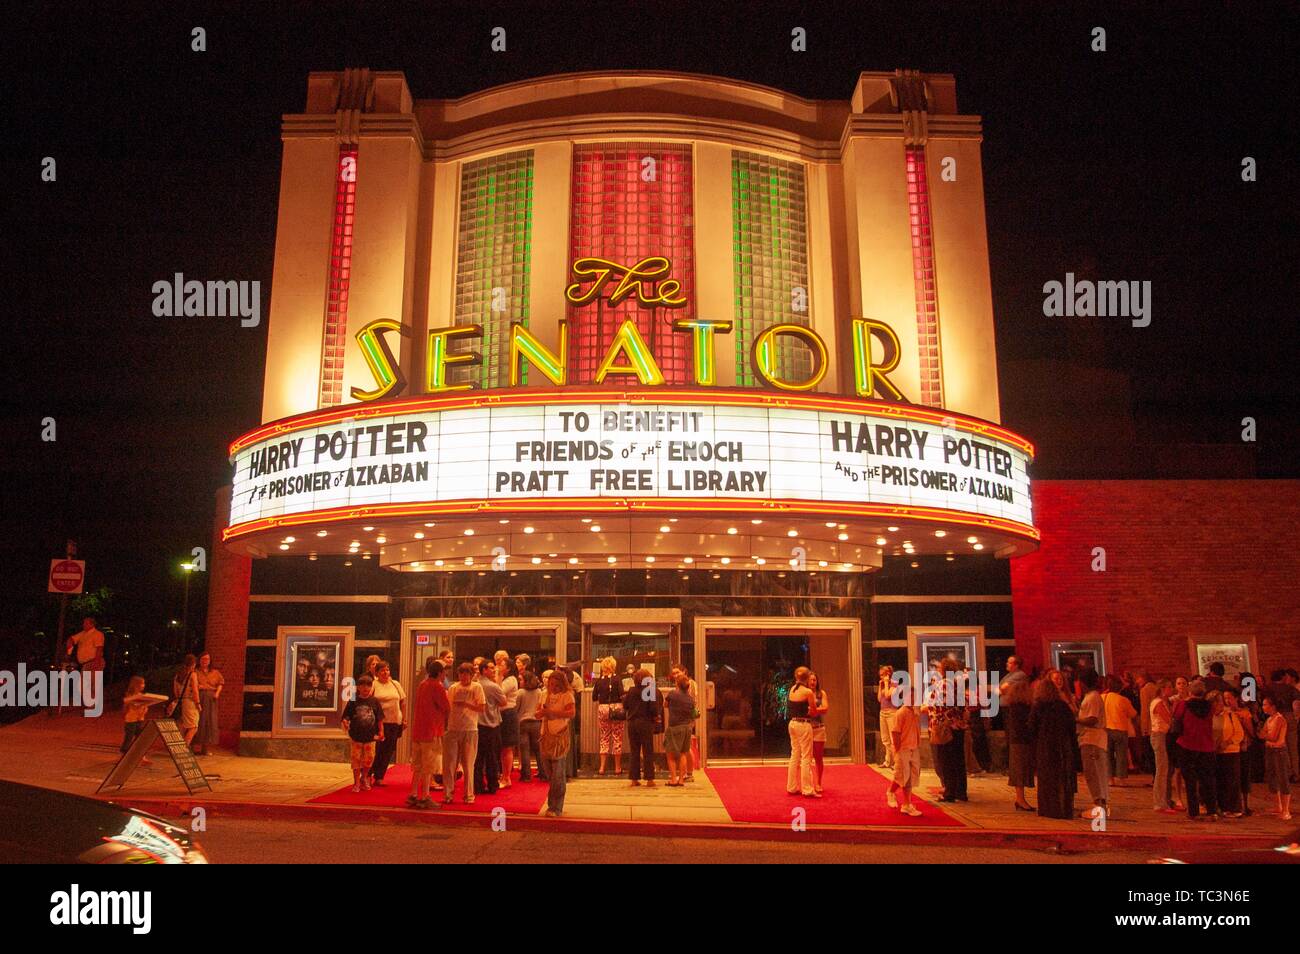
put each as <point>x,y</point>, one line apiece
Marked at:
<point>471,722</point>
<point>1202,740</point>
<point>196,687</point>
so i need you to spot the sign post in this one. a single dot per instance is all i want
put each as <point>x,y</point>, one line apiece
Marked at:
<point>187,766</point>
<point>66,576</point>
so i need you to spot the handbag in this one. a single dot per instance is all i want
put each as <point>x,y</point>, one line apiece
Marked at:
<point>940,733</point>
<point>617,713</point>
<point>554,745</point>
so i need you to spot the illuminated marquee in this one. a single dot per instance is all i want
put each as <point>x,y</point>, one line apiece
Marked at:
<point>628,353</point>
<point>565,449</point>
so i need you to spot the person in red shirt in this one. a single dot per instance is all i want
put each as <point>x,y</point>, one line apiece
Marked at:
<point>1194,724</point>
<point>428,723</point>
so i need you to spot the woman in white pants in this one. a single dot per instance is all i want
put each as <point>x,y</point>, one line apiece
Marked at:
<point>885,696</point>
<point>799,775</point>
<point>1161,718</point>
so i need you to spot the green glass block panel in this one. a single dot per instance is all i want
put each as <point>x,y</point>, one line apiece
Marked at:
<point>770,255</point>
<point>494,249</point>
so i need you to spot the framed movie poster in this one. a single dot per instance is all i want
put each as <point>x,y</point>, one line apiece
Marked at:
<point>1076,655</point>
<point>314,670</point>
<point>313,677</point>
<point>938,650</point>
<point>1237,657</point>
<point>926,645</point>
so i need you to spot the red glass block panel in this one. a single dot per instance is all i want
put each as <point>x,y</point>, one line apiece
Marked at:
<point>927,299</point>
<point>334,338</point>
<point>618,212</point>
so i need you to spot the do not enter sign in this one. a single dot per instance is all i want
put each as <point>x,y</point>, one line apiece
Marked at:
<point>67,576</point>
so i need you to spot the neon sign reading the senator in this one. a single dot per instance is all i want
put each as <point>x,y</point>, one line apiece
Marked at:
<point>648,283</point>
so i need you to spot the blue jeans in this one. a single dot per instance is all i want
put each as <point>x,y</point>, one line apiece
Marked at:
<point>555,768</point>
<point>1160,787</point>
<point>1117,742</point>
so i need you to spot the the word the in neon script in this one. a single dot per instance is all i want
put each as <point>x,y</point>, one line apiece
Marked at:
<point>634,280</point>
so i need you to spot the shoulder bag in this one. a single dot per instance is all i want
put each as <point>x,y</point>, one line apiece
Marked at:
<point>940,732</point>
<point>554,745</point>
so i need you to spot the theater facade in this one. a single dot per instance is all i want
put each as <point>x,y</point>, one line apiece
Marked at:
<point>663,367</point>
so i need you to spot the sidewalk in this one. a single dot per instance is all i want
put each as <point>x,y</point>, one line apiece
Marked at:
<point>75,754</point>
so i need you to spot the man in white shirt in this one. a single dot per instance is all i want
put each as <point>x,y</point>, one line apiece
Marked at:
<point>1094,743</point>
<point>89,646</point>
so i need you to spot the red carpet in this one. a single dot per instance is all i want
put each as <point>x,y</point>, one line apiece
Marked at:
<point>520,798</point>
<point>853,795</point>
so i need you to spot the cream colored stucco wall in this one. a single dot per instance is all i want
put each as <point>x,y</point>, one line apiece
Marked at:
<point>860,254</point>
<point>302,245</point>
<point>961,262</point>
<point>880,246</point>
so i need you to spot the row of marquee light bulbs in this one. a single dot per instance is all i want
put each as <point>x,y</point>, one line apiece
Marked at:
<point>906,547</point>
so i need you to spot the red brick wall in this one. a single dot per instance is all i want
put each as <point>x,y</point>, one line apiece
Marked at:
<point>229,575</point>
<point>1203,558</point>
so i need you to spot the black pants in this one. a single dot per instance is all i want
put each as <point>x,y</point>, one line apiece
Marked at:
<point>641,737</point>
<point>487,764</point>
<point>575,737</point>
<point>384,751</point>
<point>1198,773</point>
<point>130,732</point>
<point>1244,763</point>
<point>530,748</point>
<point>1227,771</point>
<point>950,764</point>
<point>979,746</point>
<point>1146,755</point>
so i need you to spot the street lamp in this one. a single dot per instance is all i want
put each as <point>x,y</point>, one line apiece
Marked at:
<point>185,607</point>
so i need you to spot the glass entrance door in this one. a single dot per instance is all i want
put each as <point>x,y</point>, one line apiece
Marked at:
<point>750,677</point>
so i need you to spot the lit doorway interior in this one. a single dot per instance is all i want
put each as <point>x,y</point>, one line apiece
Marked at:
<point>749,665</point>
<point>423,639</point>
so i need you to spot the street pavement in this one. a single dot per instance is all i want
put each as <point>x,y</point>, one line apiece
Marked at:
<point>264,841</point>
<point>74,754</point>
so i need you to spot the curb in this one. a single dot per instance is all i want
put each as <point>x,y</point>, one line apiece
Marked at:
<point>1058,841</point>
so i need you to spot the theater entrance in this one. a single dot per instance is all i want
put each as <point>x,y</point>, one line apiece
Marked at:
<point>749,666</point>
<point>541,639</point>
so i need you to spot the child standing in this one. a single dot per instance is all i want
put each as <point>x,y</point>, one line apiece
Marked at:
<point>1276,766</point>
<point>363,721</point>
<point>906,736</point>
<point>134,710</point>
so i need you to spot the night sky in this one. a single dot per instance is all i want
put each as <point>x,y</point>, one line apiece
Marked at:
<point>1122,165</point>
